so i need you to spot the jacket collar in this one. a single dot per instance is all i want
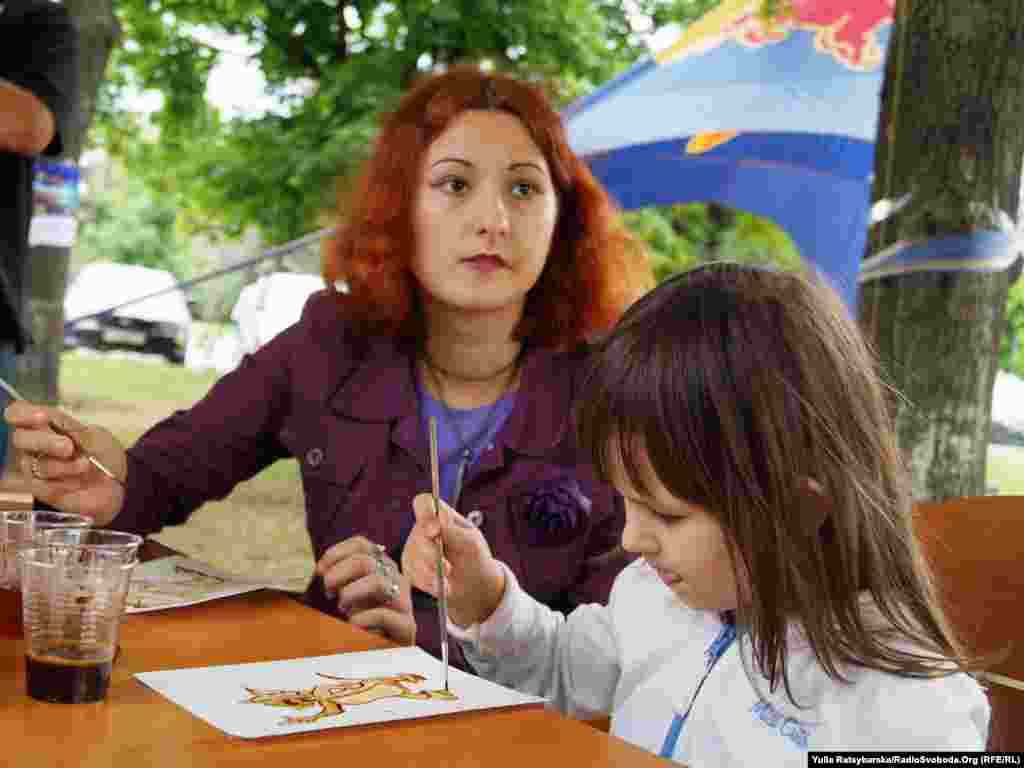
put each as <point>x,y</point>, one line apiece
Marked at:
<point>382,388</point>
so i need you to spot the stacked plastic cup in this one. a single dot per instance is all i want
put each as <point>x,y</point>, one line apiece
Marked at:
<point>21,528</point>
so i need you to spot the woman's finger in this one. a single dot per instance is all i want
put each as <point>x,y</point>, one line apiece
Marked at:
<point>348,571</point>
<point>354,545</point>
<point>39,467</point>
<point>26,415</point>
<point>42,442</point>
<point>370,591</point>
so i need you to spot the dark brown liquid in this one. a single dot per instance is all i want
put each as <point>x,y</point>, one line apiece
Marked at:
<point>60,677</point>
<point>10,613</point>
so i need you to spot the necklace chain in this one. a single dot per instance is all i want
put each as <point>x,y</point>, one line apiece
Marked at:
<point>435,368</point>
<point>467,454</point>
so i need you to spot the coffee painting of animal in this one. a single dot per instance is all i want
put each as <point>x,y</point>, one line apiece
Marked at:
<point>286,696</point>
<point>333,697</point>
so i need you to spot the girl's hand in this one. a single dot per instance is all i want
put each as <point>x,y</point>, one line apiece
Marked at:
<point>475,581</point>
<point>54,468</point>
<point>370,591</point>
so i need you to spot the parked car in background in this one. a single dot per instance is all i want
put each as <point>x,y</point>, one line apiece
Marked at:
<point>158,324</point>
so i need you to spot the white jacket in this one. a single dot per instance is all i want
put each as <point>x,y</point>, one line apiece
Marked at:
<point>641,657</point>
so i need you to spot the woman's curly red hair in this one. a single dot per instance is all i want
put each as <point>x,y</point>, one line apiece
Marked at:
<point>595,268</point>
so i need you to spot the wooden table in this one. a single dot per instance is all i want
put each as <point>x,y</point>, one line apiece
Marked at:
<point>137,727</point>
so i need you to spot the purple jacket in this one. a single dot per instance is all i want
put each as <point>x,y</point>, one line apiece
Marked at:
<point>347,410</point>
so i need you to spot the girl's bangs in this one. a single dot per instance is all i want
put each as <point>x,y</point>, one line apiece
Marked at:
<point>632,418</point>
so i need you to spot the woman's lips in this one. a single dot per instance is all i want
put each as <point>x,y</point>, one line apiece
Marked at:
<point>485,262</point>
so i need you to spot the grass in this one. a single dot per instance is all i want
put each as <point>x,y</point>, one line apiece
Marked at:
<point>1006,470</point>
<point>259,529</point>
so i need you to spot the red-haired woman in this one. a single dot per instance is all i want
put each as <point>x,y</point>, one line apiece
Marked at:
<point>479,255</point>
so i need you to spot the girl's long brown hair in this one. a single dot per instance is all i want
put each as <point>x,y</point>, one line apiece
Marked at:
<point>753,394</point>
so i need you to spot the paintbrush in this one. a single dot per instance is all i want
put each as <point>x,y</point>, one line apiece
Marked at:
<point>63,432</point>
<point>442,596</point>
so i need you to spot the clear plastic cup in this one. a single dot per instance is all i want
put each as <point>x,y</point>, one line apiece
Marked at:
<point>115,544</point>
<point>20,528</point>
<point>73,601</point>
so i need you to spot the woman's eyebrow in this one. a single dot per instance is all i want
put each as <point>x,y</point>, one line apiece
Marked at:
<point>459,160</point>
<point>535,166</point>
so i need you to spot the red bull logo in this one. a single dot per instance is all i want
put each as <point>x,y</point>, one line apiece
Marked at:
<point>847,30</point>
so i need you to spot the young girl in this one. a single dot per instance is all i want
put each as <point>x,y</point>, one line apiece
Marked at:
<point>779,603</point>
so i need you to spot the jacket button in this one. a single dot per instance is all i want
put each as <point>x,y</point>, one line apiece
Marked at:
<point>314,457</point>
<point>476,518</point>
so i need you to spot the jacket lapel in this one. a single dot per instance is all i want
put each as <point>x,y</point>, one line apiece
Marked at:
<point>382,389</point>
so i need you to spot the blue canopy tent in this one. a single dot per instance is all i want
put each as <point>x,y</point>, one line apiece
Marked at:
<point>776,118</point>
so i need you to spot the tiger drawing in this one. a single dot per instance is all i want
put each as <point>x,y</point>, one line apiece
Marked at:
<point>333,697</point>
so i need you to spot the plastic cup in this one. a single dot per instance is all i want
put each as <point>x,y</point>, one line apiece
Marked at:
<point>115,544</point>
<point>20,528</point>
<point>73,601</point>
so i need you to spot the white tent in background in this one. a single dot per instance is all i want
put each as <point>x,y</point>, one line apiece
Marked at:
<point>1008,401</point>
<point>271,304</point>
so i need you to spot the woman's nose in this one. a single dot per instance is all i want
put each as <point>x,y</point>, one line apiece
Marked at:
<point>492,214</point>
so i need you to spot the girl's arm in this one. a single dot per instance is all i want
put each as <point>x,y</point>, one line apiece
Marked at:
<point>573,660</point>
<point>512,638</point>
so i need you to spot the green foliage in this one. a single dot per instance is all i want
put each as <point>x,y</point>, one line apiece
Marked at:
<point>1011,356</point>
<point>131,226</point>
<point>681,236</point>
<point>278,171</point>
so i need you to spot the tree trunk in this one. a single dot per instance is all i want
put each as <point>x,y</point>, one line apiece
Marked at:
<point>949,136</point>
<point>46,273</point>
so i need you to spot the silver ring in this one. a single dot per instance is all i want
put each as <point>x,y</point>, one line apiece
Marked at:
<point>394,590</point>
<point>379,560</point>
<point>34,468</point>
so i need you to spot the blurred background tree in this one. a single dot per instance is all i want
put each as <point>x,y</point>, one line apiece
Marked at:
<point>332,68</point>
<point>1011,356</point>
<point>129,225</point>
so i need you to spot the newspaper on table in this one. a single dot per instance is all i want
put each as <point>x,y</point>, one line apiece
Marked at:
<point>177,581</point>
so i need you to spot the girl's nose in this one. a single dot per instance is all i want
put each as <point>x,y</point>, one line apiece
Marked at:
<point>636,539</point>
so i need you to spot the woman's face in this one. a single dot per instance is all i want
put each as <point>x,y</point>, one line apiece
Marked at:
<point>484,214</point>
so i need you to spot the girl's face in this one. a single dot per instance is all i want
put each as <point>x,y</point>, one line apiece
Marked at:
<point>484,214</point>
<point>683,542</point>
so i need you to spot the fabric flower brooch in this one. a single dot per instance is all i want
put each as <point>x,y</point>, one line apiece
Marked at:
<point>555,511</point>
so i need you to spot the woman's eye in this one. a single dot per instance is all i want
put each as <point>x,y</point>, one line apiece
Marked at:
<point>452,184</point>
<point>523,189</point>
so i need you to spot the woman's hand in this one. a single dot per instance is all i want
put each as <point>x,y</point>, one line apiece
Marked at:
<point>54,467</point>
<point>475,581</point>
<point>370,591</point>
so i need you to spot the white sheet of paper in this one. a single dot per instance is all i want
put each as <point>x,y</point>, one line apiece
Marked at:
<point>177,581</point>
<point>221,695</point>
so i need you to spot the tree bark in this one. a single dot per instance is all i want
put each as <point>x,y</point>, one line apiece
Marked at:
<point>949,136</point>
<point>46,273</point>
